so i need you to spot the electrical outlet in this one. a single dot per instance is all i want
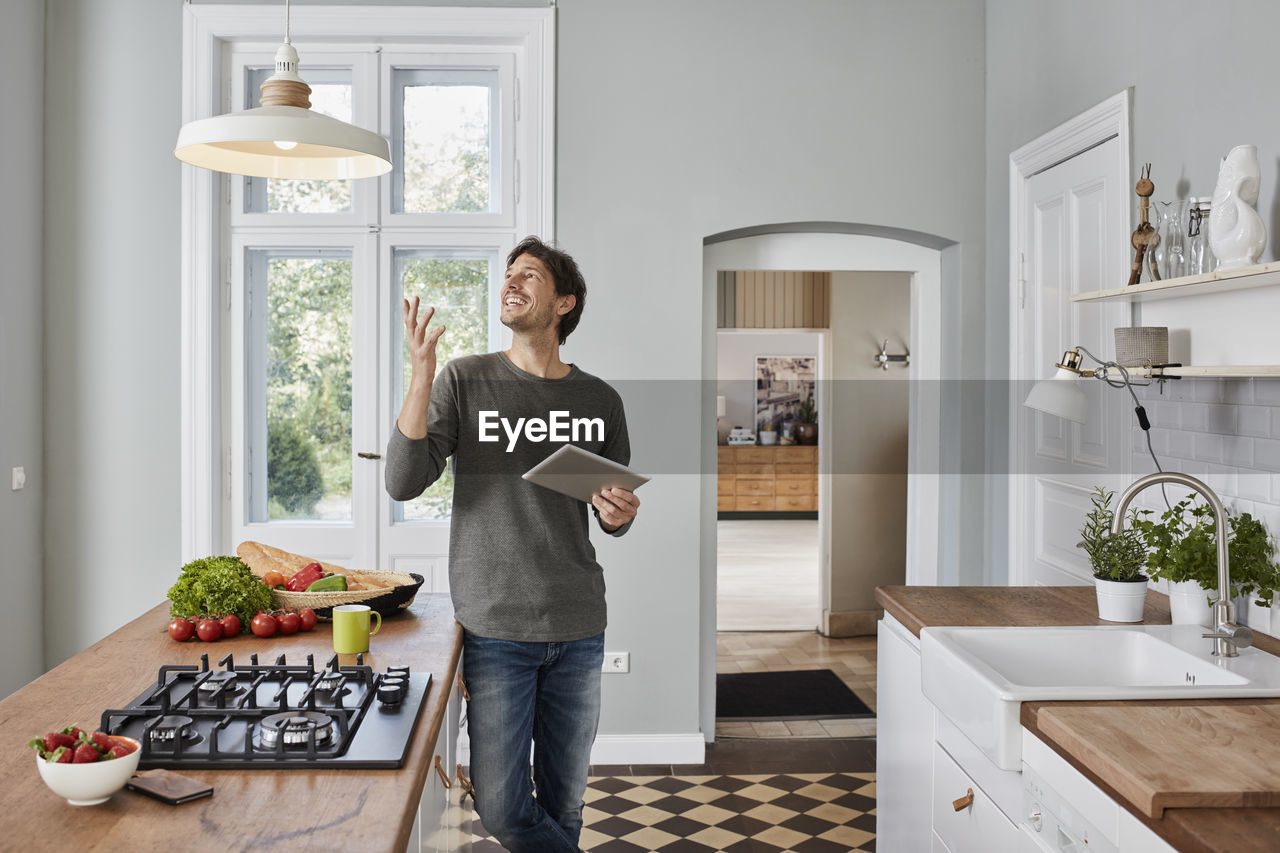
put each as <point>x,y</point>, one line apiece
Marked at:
<point>616,662</point>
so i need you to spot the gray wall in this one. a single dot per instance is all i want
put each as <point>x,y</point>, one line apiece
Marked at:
<point>675,121</point>
<point>21,359</point>
<point>679,120</point>
<point>111,286</point>
<point>868,441</point>
<point>1203,81</point>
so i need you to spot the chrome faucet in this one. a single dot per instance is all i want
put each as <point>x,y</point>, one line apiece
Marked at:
<point>1227,636</point>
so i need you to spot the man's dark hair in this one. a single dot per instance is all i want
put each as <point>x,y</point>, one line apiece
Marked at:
<point>565,275</point>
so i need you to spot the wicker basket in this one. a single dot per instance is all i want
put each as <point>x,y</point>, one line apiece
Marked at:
<point>1142,346</point>
<point>387,601</point>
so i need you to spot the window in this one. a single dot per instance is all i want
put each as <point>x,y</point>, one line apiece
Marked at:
<point>309,363</point>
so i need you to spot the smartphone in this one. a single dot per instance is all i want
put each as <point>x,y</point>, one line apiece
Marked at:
<point>168,787</point>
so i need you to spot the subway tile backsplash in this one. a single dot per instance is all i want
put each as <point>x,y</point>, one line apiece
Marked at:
<point>1227,433</point>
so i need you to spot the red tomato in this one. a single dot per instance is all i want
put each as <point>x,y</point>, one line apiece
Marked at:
<point>209,630</point>
<point>290,623</point>
<point>230,625</point>
<point>181,630</point>
<point>263,625</point>
<point>308,617</point>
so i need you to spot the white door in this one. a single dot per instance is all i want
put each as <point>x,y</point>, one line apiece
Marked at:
<point>1074,239</point>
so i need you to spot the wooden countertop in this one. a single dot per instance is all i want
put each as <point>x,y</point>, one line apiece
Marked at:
<point>262,809</point>
<point>1202,830</point>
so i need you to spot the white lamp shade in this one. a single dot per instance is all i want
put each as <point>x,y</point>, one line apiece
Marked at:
<point>244,143</point>
<point>1059,395</point>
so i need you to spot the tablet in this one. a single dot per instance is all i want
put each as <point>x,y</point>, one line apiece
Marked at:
<point>580,474</point>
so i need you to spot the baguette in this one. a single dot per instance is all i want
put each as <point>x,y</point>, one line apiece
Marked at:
<point>262,558</point>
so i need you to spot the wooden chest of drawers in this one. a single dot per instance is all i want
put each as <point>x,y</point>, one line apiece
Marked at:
<point>767,479</point>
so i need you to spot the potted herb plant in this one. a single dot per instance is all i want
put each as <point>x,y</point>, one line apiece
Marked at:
<point>807,423</point>
<point>1184,551</point>
<point>1117,561</point>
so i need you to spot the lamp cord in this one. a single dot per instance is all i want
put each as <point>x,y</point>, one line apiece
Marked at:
<point>286,22</point>
<point>1138,409</point>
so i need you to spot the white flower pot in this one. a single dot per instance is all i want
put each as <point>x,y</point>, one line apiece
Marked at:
<point>1189,604</point>
<point>1121,601</point>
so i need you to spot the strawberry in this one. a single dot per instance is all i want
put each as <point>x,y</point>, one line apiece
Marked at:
<point>84,754</point>
<point>120,750</point>
<point>73,731</point>
<point>53,740</point>
<point>61,755</point>
<point>101,741</point>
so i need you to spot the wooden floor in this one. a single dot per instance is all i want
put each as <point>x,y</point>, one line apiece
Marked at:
<point>767,575</point>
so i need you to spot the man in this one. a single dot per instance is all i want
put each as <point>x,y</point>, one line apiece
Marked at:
<point>525,583</point>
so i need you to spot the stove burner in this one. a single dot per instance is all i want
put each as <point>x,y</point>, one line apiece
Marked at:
<point>216,680</point>
<point>171,728</point>
<point>295,728</point>
<point>330,682</point>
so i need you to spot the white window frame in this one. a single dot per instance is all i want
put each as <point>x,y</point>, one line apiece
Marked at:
<point>210,32</point>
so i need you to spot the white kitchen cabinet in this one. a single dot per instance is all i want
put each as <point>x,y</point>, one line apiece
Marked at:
<point>437,827</point>
<point>965,819</point>
<point>904,743</point>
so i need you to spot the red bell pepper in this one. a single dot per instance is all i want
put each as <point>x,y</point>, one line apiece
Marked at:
<point>305,577</point>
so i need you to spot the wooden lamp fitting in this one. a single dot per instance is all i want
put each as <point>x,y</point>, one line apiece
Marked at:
<point>285,88</point>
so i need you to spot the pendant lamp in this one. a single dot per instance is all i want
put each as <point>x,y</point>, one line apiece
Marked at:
<point>283,138</point>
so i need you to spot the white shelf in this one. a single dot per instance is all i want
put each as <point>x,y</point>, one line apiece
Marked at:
<point>1233,371</point>
<point>1262,275</point>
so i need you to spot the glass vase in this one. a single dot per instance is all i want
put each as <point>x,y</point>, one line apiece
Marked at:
<point>1168,258</point>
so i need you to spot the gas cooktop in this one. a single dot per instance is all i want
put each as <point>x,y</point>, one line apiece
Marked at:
<point>274,716</point>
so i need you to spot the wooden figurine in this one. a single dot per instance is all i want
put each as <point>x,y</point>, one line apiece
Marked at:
<point>1144,236</point>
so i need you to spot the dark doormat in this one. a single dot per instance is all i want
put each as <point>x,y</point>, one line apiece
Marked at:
<point>810,694</point>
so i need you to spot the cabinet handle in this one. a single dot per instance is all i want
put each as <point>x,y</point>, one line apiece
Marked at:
<point>364,454</point>
<point>960,804</point>
<point>467,789</point>
<point>444,777</point>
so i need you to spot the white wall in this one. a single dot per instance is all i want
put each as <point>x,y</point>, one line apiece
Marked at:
<point>736,352</point>
<point>1203,82</point>
<point>111,315</point>
<point>21,358</point>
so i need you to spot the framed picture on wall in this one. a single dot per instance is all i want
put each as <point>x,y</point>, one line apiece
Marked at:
<point>783,384</point>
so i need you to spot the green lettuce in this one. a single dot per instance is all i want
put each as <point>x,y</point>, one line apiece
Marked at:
<point>219,585</point>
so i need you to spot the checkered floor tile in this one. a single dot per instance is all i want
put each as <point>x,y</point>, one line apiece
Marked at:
<point>750,813</point>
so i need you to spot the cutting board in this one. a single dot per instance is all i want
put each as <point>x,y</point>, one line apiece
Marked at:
<point>1175,756</point>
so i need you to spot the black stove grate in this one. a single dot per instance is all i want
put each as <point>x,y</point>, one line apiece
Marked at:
<point>195,716</point>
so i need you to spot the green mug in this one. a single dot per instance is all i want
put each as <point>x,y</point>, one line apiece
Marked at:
<point>351,630</point>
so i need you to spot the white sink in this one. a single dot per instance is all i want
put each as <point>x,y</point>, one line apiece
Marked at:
<point>979,677</point>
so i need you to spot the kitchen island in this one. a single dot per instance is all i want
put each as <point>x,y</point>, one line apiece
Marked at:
<point>1190,830</point>
<point>261,809</point>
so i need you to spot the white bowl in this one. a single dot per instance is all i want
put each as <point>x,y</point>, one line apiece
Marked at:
<point>91,783</point>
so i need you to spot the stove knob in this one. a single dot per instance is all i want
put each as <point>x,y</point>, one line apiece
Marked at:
<point>391,694</point>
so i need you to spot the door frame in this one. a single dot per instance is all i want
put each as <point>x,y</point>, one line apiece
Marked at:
<point>1107,120</point>
<point>832,246</point>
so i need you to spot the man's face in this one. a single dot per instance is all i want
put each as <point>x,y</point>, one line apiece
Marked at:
<point>529,301</point>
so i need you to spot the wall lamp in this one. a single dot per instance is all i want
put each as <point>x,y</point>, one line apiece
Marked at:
<point>1061,395</point>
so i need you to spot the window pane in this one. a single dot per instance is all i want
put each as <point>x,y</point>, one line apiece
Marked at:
<point>306,381</point>
<point>458,285</point>
<point>446,130</point>
<point>330,95</point>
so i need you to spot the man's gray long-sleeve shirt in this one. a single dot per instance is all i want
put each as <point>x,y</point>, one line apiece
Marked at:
<point>521,563</point>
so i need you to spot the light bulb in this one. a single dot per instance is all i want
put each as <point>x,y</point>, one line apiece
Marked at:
<point>284,146</point>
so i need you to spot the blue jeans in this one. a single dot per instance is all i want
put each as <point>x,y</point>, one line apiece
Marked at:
<point>547,694</point>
